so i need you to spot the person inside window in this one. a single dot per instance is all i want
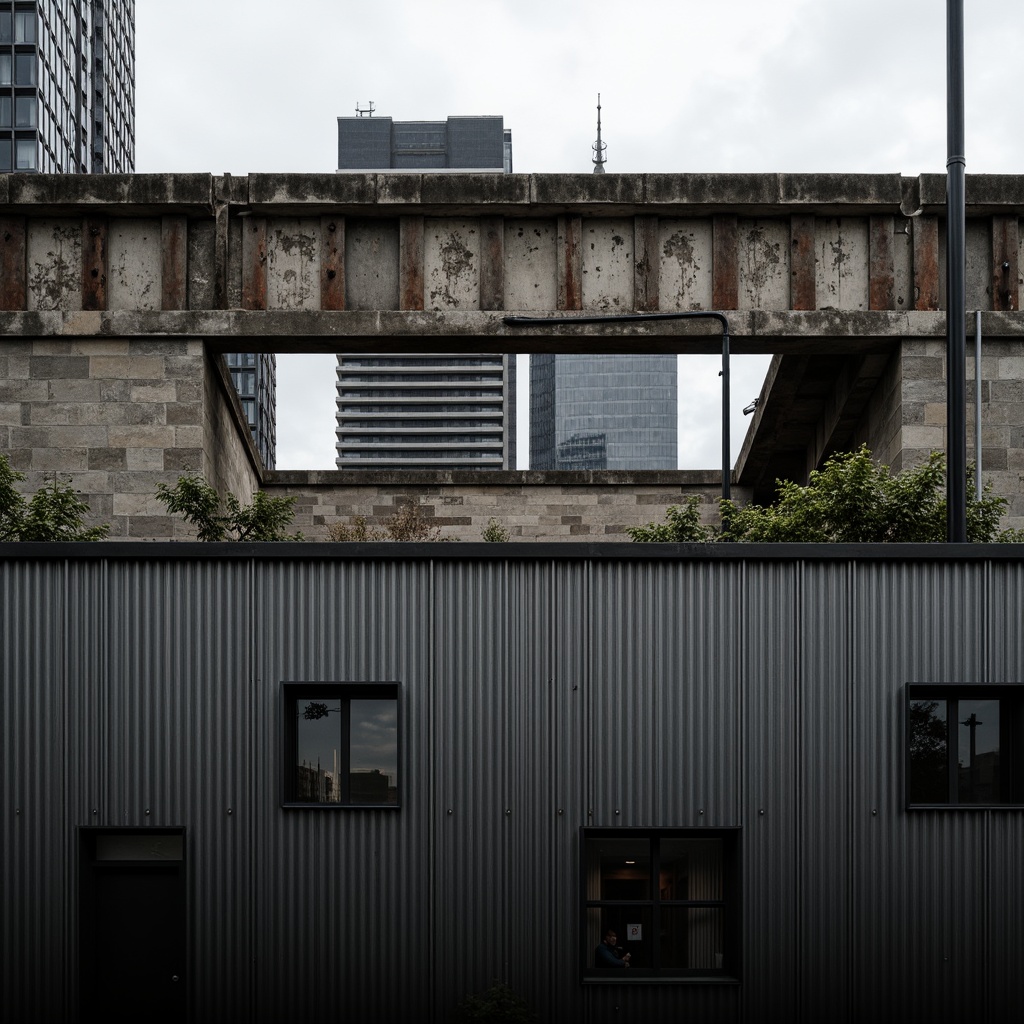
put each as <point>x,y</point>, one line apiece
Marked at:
<point>608,954</point>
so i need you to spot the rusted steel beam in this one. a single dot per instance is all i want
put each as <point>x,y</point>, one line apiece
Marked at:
<point>94,263</point>
<point>410,262</point>
<point>332,263</point>
<point>926,262</point>
<point>174,262</point>
<point>881,272</point>
<point>1005,263</point>
<point>569,262</point>
<point>725,265</point>
<point>802,293</point>
<point>13,263</point>
<point>220,240</point>
<point>254,263</point>
<point>647,265</point>
<point>492,262</point>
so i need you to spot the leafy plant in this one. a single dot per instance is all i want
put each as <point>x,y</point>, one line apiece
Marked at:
<point>494,532</point>
<point>498,1005</point>
<point>54,513</point>
<point>263,519</point>
<point>407,523</point>
<point>682,526</point>
<point>850,500</point>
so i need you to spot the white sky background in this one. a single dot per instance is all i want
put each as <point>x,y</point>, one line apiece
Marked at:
<point>741,86</point>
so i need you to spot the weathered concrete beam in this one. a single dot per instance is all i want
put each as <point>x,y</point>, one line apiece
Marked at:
<point>349,330</point>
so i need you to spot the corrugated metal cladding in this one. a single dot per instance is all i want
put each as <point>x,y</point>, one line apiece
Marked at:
<point>539,695</point>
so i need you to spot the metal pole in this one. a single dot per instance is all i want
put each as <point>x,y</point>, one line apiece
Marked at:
<point>977,405</point>
<point>956,301</point>
<point>726,454</point>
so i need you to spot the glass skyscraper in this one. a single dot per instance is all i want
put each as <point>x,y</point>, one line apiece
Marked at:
<point>67,86</point>
<point>603,412</point>
<point>254,375</point>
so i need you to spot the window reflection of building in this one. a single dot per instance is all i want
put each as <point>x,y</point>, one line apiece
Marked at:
<point>342,740</point>
<point>977,728</point>
<point>583,451</point>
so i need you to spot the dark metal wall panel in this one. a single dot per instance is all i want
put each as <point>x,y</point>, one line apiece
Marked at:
<point>770,630</point>
<point>475,731</point>
<point>159,712</point>
<point>912,623</point>
<point>33,870</point>
<point>538,697</point>
<point>825,708</point>
<point>568,626</point>
<point>341,892</point>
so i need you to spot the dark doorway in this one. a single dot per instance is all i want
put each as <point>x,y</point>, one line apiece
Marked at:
<point>132,955</point>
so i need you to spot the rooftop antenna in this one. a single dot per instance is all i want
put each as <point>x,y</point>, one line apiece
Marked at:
<point>599,147</point>
<point>364,111</point>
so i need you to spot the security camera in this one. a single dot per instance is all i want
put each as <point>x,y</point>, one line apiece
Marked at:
<point>748,409</point>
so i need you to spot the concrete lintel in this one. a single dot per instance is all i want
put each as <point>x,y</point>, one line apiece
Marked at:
<point>380,193</point>
<point>109,193</point>
<point>337,331</point>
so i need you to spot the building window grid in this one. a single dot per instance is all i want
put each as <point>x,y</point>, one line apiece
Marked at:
<point>720,958</point>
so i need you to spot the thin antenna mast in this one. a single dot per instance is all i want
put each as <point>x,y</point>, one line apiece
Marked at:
<point>599,147</point>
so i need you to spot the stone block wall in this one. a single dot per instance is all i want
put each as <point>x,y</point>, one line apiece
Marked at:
<point>118,417</point>
<point>530,506</point>
<point>906,418</point>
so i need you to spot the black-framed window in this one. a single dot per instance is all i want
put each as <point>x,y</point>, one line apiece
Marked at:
<point>670,896</point>
<point>341,744</point>
<point>965,745</point>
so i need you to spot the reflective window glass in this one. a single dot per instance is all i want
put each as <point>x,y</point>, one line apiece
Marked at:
<point>929,758</point>
<point>6,66</point>
<point>5,27</point>
<point>5,156</point>
<point>5,111</point>
<point>978,774</point>
<point>24,111</point>
<point>963,745</point>
<point>341,744</point>
<point>25,155</point>
<point>24,26</point>
<point>24,69</point>
<point>373,751</point>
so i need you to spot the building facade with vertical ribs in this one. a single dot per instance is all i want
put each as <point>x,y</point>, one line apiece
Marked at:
<point>430,410</point>
<point>67,86</point>
<point>603,412</point>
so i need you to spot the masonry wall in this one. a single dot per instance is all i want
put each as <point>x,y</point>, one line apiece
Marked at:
<point>116,416</point>
<point>597,506</point>
<point>906,418</point>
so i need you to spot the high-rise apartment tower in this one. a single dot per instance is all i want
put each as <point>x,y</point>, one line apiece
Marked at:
<point>67,86</point>
<point>428,410</point>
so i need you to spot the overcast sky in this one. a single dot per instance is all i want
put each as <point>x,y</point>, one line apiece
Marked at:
<point>792,85</point>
